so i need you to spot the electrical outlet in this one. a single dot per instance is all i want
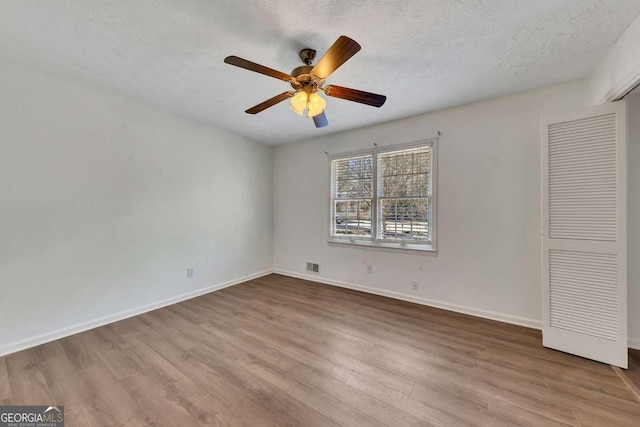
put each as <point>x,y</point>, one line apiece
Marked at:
<point>370,269</point>
<point>190,272</point>
<point>415,286</point>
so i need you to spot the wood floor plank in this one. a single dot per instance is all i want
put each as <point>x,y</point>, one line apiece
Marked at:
<point>63,382</point>
<point>242,406</point>
<point>231,360</point>
<point>302,372</point>
<point>457,406</point>
<point>597,417</point>
<point>279,351</point>
<point>520,416</point>
<point>29,387</point>
<point>290,408</point>
<point>21,361</point>
<point>611,388</point>
<point>353,361</point>
<point>81,416</point>
<point>595,398</point>
<point>154,403</point>
<point>48,351</point>
<point>393,397</point>
<point>188,394</point>
<point>627,381</point>
<point>279,347</point>
<point>109,399</point>
<point>310,350</point>
<point>324,403</point>
<point>79,349</point>
<point>633,373</point>
<point>5,390</point>
<point>361,400</point>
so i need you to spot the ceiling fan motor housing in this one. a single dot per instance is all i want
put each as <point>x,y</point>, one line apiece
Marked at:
<point>304,80</point>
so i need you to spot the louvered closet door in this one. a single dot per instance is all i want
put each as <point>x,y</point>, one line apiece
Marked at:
<point>584,230</point>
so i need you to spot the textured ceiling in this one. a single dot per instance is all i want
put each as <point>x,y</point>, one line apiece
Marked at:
<point>424,55</point>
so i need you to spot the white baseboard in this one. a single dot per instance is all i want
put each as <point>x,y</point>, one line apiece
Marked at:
<point>85,326</point>
<point>634,343</point>
<point>486,314</point>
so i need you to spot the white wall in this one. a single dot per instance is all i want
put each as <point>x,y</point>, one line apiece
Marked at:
<point>489,250</point>
<point>634,222</point>
<point>105,201</point>
<point>619,68</point>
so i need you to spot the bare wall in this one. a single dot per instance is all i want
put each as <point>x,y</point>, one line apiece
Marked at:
<point>105,201</point>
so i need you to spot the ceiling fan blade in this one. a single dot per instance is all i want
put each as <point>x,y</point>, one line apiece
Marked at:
<point>270,102</point>
<point>252,66</point>
<point>368,98</point>
<point>339,53</point>
<point>320,120</point>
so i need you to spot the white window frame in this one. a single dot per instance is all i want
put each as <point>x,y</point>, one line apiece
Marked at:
<point>373,242</point>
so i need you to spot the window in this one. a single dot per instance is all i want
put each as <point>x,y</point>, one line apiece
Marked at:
<point>352,195</point>
<point>385,197</point>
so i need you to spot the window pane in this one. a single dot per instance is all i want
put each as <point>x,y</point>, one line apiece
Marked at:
<point>404,195</point>
<point>404,173</point>
<point>352,218</point>
<point>352,196</point>
<point>404,219</point>
<point>352,177</point>
<point>354,188</point>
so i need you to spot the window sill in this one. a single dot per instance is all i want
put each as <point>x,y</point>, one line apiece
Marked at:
<point>388,247</point>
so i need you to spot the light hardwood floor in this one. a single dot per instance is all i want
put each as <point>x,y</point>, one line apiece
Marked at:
<point>634,369</point>
<point>280,351</point>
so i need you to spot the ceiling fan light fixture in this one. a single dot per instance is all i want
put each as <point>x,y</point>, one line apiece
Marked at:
<point>316,105</point>
<point>298,112</point>
<point>299,102</point>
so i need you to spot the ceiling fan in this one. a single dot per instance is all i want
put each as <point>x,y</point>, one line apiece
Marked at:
<point>308,79</point>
